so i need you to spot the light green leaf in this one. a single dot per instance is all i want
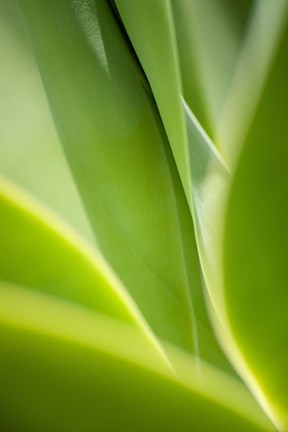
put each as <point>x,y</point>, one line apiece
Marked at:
<point>210,180</point>
<point>210,183</point>
<point>150,24</point>
<point>30,152</point>
<point>200,159</point>
<point>252,68</point>
<point>63,368</point>
<point>255,246</point>
<point>120,157</point>
<point>40,251</point>
<point>209,34</point>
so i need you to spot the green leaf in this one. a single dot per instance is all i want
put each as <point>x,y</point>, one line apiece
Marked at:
<point>209,35</point>
<point>30,152</point>
<point>255,246</point>
<point>40,251</point>
<point>210,184</point>
<point>120,158</point>
<point>64,368</point>
<point>199,158</point>
<point>210,180</point>
<point>252,68</point>
<point>150,24</point>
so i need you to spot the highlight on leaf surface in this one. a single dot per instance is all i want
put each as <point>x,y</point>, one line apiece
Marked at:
<point>121,160</point>
<point>92,366</point>
<point>143,245</point>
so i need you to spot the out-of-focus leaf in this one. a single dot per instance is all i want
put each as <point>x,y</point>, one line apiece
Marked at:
<point>62,368</point>
<point>30,152</point>
<point>209,35</point>
<point>252,67</point>
<point>255,246</point>
<point>40,251</point>
<point>120,157</point>
<point>150,27</point>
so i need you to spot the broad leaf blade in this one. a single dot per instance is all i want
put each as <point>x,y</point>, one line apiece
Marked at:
<point>255,246</point>
<point>63,369</point>
<point>119,155</point>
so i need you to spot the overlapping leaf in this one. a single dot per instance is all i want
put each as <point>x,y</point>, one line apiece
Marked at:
<point>120,157</point>
<point>192,150</point>
<point>64,369</point>
<point>150,24</point>
<point>40,251</point>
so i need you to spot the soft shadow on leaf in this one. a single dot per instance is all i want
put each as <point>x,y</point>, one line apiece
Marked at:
<point>41,251</point>
<point>252,68</point>
<point>255,245</point>
<point>150,24</point>
<point>63,368</point>
<point>209,36</point>
<point>121,159</point>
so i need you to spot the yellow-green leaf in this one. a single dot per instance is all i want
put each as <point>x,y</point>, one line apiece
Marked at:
<point>64,369</point>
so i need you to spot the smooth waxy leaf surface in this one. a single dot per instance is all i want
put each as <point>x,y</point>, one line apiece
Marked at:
<point>40,251</point>
<point>210,180</point>
<point>150,24</point>
<point>120,157</point>
<point>63,368</point>
<point>255,245</point>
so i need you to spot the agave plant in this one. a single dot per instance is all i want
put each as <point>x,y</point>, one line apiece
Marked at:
<point>144,269</point>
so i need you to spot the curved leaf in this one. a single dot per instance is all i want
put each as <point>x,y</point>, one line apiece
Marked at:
<point>63,369</point>
<point>210,181</point>
<point>120,157</point>
<point>150,24</point>
<point>40,251</point>
<point>255,246</point>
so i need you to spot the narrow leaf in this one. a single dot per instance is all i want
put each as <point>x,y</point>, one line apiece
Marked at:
<point>210,180</point>
<point>150,28</point>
